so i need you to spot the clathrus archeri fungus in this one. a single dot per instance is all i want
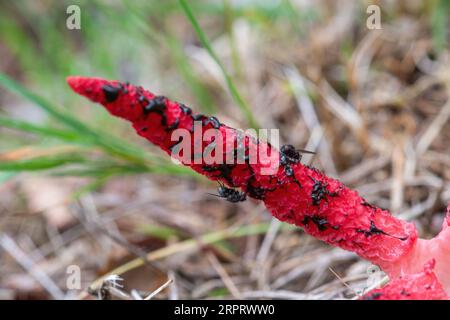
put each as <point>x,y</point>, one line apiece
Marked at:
<point>293,193</point>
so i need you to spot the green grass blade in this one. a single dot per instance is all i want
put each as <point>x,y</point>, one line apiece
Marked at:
<point>39,130</point>
<point>42,103</point>
<point>160,232</point>
<point>40,163</point>
<point>205,100</point>
<point>439,20</point>
<point>192,80</point>
<point>245,108</point>
<point>164,168</point>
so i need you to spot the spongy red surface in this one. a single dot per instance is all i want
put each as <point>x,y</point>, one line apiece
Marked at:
<point>423,285</point>
<point>437,248</point>
<point>340,217</point>
<point>324,207</point>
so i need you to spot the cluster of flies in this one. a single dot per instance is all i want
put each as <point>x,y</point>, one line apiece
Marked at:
<point>288,154</point>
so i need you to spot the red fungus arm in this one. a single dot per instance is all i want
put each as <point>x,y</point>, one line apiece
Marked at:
<point>424,250</point>
<point>423,285</point>
<point>324,207</point>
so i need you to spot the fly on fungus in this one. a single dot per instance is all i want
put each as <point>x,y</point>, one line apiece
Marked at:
<point>229,194</point>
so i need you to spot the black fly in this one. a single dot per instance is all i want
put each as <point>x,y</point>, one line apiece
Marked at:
<point>288,156</point>
<point>229,194</point>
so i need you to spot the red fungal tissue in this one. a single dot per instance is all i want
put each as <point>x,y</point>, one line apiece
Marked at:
<point>293,193</point>
<point>423,285</point>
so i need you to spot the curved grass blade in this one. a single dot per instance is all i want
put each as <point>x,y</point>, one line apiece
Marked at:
<point>39,130</point>
<point>245,108</point>
<point>40,163</point>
